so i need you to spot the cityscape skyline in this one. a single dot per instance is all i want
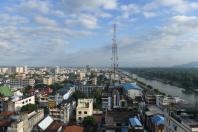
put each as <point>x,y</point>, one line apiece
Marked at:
<point>77,33</point>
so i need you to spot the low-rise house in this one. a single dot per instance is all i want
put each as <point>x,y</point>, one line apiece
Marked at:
<point>84,109</point>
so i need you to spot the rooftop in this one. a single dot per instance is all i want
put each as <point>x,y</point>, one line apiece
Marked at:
<point>128,86</point>
<point>135,122</point>
<point>54,127</point>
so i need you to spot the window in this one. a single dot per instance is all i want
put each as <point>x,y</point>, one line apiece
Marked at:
<point>29,99</point>
<point>85,112</point>
<point>79,118</point>
<point>79,112</point>
<point>23,102</point>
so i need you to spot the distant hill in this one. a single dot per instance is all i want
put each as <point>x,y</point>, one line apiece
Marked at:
<point>188,65</point>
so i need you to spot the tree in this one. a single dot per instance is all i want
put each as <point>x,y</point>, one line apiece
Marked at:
<point>29,108</point>
<point>78,95</point>
<point>89,121</point>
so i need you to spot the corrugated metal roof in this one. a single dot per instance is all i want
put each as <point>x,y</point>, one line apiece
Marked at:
<point>45,123</point>
<point>158,119</point>
<point>129,86</point>
<point>135,122</point>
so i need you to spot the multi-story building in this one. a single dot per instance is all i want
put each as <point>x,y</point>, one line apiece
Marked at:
<point>21,83</point>
<point>19,69</point>
<point>17,102</point>
<point>63,112</point>
<point>106,101</point>
<point>84,109</point>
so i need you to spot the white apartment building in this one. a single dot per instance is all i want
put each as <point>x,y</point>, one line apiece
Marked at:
<point>17,102</point>
<point>84,109</point>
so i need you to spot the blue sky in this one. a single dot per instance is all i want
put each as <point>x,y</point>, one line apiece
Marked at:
<point>79,32</point>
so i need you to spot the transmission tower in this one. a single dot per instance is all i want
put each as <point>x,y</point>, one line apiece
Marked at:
<point>114,58</point>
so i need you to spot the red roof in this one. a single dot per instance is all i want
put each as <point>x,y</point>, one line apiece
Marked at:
<point>74,129</point>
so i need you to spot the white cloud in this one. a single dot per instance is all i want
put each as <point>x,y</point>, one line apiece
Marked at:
<point>8,19</point>
<point>180,6</point>
<point>184,18</point>
<point>93,5</point>
<point>129,10</point>
<point>45,21</point>
<point>87,21</point>
<point>150,14</point>
<point>41,6</point>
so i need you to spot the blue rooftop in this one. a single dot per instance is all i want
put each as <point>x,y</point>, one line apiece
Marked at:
<point>135,122</point>
<point>129,86</point>
<point>158,120</point>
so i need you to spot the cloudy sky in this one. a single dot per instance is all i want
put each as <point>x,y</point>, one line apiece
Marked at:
<point>79,32</point>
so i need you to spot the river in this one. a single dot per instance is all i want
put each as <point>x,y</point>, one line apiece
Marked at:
<point>191,98</point>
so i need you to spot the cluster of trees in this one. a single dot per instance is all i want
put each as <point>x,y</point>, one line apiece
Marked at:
<point>186,78</point>
<point>29,108</point>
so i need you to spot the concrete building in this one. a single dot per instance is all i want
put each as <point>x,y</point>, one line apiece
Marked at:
<point>106,101</point>
<point>17,102</point>
<point>64,111</point>
<point>132,90</point>
<point>84,109</point>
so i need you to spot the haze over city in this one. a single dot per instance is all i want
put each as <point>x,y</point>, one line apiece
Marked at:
<point>77,32</point>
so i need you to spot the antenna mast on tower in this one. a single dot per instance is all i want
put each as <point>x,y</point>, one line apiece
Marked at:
<point>114,58</point>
